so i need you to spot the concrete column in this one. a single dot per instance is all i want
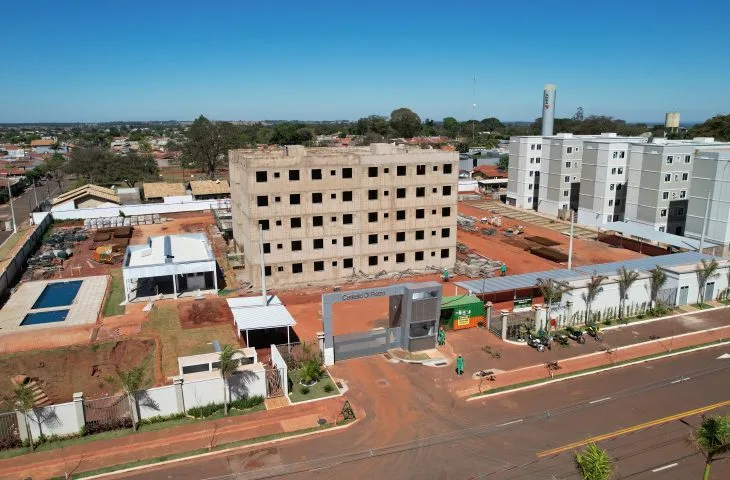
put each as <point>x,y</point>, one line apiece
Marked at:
<point>178,384</point>
<point>539,318</point>
<point>504,313</point>
<point>568,313</point>
<point>22,428</point>
<point>79,407</point>
<point>320,341</point>
<point>215,279</point>
<point>488,307</point>
<point>174,285</point>
<point>329,356</point>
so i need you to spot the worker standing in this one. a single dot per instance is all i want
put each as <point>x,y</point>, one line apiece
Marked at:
<point>442,336</point>
<point>459,365</point>
<point>503,269</point>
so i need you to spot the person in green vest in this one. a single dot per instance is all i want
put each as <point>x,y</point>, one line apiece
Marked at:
<point>442,336</point>
<point>503,269</point>
<point>460,365</point>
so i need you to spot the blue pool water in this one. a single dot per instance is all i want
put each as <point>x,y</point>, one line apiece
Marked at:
<point>37,318</point>
<point>58,294</point>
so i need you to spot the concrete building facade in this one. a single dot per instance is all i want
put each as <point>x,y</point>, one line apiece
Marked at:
<point>560,173</point>
<point>525,158</point>
<point>710,180</point>
<point>327,214</point>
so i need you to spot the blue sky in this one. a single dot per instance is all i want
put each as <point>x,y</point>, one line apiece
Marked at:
<point>249,60</point>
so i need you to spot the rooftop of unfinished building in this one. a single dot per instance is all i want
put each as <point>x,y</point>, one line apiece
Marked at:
<point>299,151</point>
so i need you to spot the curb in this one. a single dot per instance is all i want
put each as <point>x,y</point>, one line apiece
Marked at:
<point>593,372</point>
<point>222,452</point>
<point>658,319</point>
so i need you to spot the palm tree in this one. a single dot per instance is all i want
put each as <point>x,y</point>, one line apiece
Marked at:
<point>708,270</point>
<point>132,381</point>
<point>626,279</point>
<point>594,463</point>
<point>657,280</point>
<point>593,288</point>
<point>712,437</point>
<point>552,291</point>
<point>25,403</point>
<point>228,366</point>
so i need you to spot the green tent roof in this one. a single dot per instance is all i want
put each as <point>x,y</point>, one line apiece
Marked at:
<point>458,301</point>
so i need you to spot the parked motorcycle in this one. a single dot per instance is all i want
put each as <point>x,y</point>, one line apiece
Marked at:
<point>538,342</point>
<point>575,334</point>
<point>561,339</point>
<point>595,332</point>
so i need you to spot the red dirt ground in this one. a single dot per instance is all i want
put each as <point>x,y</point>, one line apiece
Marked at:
<point>208,312</point>
<point>177,223</point>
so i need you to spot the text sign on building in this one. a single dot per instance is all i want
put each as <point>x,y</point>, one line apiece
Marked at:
<point>362,295</point>
<point>522,304</point>
<point>463,317</point>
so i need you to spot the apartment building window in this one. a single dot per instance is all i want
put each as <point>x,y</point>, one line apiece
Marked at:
<point>537,159</point>
<point>420,235</point>
<point>267,248</point>
<point>567,179</point>
<point>612,187</point>
<point>346,241</point>
<point>444,253</point>
<point>372,194</point>
<point>615,218</point>
<point>317,221</point>
<point>445,211</point>
<point>622,154</point>
<point>420,169</point>
<point>267,271</point>
<point>539,146</point>
<point>277,199</point>
<point>347,196</point>
<point>618,202</point>
<point>531,172</point>
<point>663,212</point>
<point>670,159</point>
<point>333,219</point>
<point>615,154</point>
<point>318,266</point>
<point>334,241</point>
<point>296,268</point>
<point>400,170</point>
<point>372,217</point>
<point>661,229</point>
<point>685,177</point>
<point>333,172</point>
<point>400,193</point>
<point>665,195</point>
<point>279,246</point>
<point>316,197</point>
<point>276,174</point>
<point>296,245</point>
<point>316,174</point>
<point>373,239</point>
<point>333,196</point>
<point>445,232</point>
<point>420,191</point>
<point>569,150</point>
<point>373,260</point>
<point>667,177</point>
<point>347,172</point>
<point>567,164</point>
<point>576,149</point>
<point>294,199</point>
<point>529,186</point>
<point>264,224</point>
<point>372,172</point>
<point>683,194</point>
<point>620,171</point>
<point>347,262</point>
<point>400,236</point>
<point>418,256</point>
<point>532,159</point>
<point>433,212</point>
<point>385,193</point>
<point>619,186</point>
<point>687,158</point>
<point>296,222</point>
<point>613,171</point>
<point>446,190</point>
<point>610,203</point>
<point>293,175</point>
<point>420,213</point>
<point>318,243</point>
<point>261,177</point>
<point>401,214</point>
<point>400,258</point>
<point>566,193</point>
<point>447,168</point>
<point>529,199</point>
<point>532,147</point>
<point>262,201</point>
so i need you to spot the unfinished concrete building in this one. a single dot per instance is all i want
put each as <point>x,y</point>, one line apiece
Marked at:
<point>330,214</point>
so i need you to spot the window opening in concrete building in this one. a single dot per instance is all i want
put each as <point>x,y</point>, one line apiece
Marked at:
<point>296,245</point>
<point>372,194</point>
<point>385,193</point>
<point>261,177</point>
<point>385,258</point>
<point>333,172</point>
<point>318,243</point>
<point>276,175</point>
<point>667,177</point>
<point>373,239</point>
<point>277,199</point>
<point>420,213</point>
<point>334,241</point>
<point>420,169</point>
<point>317,221</point>
<point>619,186</point>
<point>445,232</point>
<point>685,177</point>
<point>267,271</point>
<point>293,175</point>
<point>279,246</point>
<point>347,262</point>
<point>334,219</point>
<point>401,170</point>
<point>567,177</point>
<point>347,241</point>
<point>445,211</point>
<point>400,236</point>
<point>420,234</point>
<point>687,158</point>
<point>400,193</point>
<point>347,196</point>
<point>316,197</point>
<point>433,253</point>
<point>294,199</point>
<point>385,237</point>
<point>400,215</point>
<point>447,190</point>
<point>444,253</point>
<point>385,215</point>
<point>267,247</point>
<point>682,193</point>
<point>665,195</point>
<point>347,172</point>
<point>279,269</point>
<point>264,224</point>
<point>447,168</point>
<point>262,201</point>
<point>610,203</point>
<point>334,263</point>
<point>420,191</point>
<point>618,202</point>
<point>316,174</point>
<point>372,172</point>
<point>296,222</point>
<point>318,266</point>
<point>418,256</point>
<point>333,196</point>
<point>663,212</point>
<point>373,260</point>
<point>296,268</point>
<point>670,159</point>
<point>612,187</point>
<point>386,170</point>
<point>372,217</point>
<point>400,258</point>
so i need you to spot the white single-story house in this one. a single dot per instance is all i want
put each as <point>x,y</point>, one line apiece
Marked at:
<point>261,315</point>
<point>206,365</point>
<point>169,264</point>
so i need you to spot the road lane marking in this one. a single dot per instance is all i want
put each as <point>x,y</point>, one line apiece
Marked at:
<point>600,400</point>
<point>665,467</point>
<point>684,379</point>
<point>635,428</point>
<point>509,423</point>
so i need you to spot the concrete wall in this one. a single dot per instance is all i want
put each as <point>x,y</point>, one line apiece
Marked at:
<point>15,266</point>
<point>203,392</point>
<point>60,419</point>
<point>143,209</point>
<point>278,361</point>
<point>160,401</point>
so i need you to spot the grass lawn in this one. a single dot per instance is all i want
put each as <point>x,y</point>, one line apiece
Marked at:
<point>12,241</point>
<point>702,306</point>
<point>164,322</point>
<point>116,295</point>
<point>315,391</point>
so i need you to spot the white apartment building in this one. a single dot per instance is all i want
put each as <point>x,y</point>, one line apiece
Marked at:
<point>560,173</point>
<point>525,157</point>
<point>710,181</point>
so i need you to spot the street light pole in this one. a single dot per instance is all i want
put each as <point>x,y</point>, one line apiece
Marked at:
<point>35,195</point>
<point>12,210</point>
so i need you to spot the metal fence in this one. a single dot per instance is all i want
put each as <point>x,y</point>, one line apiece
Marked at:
<point>361,344</point>
<point>295,354</point>
<point>275,381</point>
<point>107,413</point>
<point>9,434</point>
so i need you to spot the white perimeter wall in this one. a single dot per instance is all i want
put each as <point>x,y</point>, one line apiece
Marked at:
<point>58,420</point>
<point>142,209</point>
<point>156,402</point>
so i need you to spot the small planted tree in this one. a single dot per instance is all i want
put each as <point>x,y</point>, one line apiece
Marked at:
<point>131,381</point>
<point>657,280</point>
<point>626,278</point>
<point>594,463</point>
<point>228,366</point>
<point>24,402</point>
<point>708,270</point>
<point>712,438</point>
<point>593,289</point>
<point>551,291</point>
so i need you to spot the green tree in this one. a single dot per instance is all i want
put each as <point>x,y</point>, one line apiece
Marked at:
<point>657,280</point>
<point>552,292</point>
<point>134,168</point>
<point>503,161</point>
<point>54,168</point>
<point>206,145</point>
<point>594,463</point>
<point>711,438</point>
<point>492,124</point>
<point>626,278</point>
<point>450,126</point>
<point>131,381</point>
<point>717,127</point>
<point>405,122</point>
<point>373,123</point>
<point>25,403</point>
<point>228,366</point>
<point>708,270</point>
<point>292,133</point>
<point>593,289</point>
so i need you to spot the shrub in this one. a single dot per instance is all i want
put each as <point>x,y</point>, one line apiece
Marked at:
<point>205,410</point>
<point>213,408</point>
<point>161,418</point>
<point>248,402</point>
<point>310,371</point>
<point>9,441</point>
<point>607,322</point>
<point>304,390</point>
<point>328,388</point>
<point>115,424</point>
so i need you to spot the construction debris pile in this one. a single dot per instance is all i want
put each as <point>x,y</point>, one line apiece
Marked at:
<point>475,266</point>
<point>111,222</point>
<point>54,249</point>
<point>466,223</point>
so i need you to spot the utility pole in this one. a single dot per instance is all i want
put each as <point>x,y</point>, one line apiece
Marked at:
<point>570,245</point>
<point>35,195</point>
<point>12,210</point>
<point>704,222</point>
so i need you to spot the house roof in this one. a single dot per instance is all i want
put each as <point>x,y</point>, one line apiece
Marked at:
<point>170,249</point>
<point>88,189</point>
<point>163,189</point>
<point>42,143</point>
<point>490,171</point>
<point>250,313</point>
<point>210,187</point>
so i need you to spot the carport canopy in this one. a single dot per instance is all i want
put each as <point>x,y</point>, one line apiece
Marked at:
<point>259,313</point>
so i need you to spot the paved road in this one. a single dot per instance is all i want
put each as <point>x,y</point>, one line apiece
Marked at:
<point>24,204</point>
<point>416,429</point>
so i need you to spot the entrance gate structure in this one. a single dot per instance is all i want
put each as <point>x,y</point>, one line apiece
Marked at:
<point>413,315</point>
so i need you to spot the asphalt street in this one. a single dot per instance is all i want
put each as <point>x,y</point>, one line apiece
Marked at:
<point>24,204</point>
<point>415,428</point>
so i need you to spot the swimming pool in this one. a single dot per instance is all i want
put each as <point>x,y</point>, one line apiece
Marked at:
<point>57,294</point>
<point>37,318</point>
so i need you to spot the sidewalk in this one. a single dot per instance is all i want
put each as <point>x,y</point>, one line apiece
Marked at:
<point>153,444</point>
<point>597,359</point>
